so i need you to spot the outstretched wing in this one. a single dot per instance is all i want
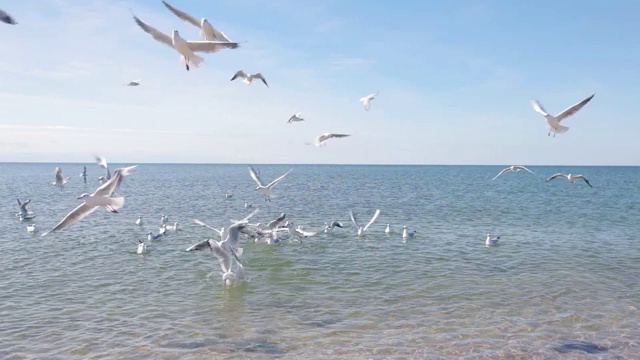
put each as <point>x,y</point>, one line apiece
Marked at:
<point>109,187</point>
<point>158,35</point>
<point>557,176</point>
<point>199,246</point>
<point>502,172</point>
<point>585,179</point>
<point>259,76</point>
<point>77,214</point>
<point>573,108</point>
<point>524,168</point>
<point>210,46</point>
<point>353,219</point>
<point>375,216</point>
<point>182,15</point>
<point>238,74</point>
<point>277,180</point>
<point>254,175</point>
<point>538,107</point>
<point>207,226</point>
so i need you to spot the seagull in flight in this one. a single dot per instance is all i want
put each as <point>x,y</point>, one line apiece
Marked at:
<point>570,177</point>
<point>248,78</point>
<point>321,139</point>
<point>100,198</point>
<point>6,18</point>
<point>361,229</point>
<point>265,189</point>
<point>367,99</point>
<point>84,174</point>
<point>554,121</point>
<point>102,162</point>
<point>187,49</point>
<point>24,214</point>
<point>60,180</point>
<point>207,32</point>
<point>295,118</point>
<point>133,83</point>
<point>515,168</point>
<point>407,234</point>
<point>330,227</point>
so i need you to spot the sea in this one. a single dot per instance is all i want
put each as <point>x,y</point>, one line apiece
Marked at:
<point>562,283</point>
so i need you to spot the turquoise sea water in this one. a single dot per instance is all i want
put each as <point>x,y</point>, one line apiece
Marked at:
<point>566,269</point>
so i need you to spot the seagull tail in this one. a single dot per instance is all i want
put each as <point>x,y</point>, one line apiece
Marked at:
<point>194,61</point>
<point>117,203</point>
<point>561,129</point>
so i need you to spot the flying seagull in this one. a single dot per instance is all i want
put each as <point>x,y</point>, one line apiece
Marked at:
<point>365,100</point>
<point>84,174</point>
<point>515,168</point>
<point>570,177</point>
<point>101,197</point>
<point>133,83</point>
<point>265,189</point>
<point>361,229</point>
<point>207,32</point>
<point>60,180</point>
<point>24,214</point>
<point>295,118</point>
<point>248,78</point>
<point>6,18</point>
<point>554,121</point>
<point>186,48</point>
<point>321,139</point>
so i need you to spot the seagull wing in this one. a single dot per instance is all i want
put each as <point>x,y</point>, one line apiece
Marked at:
<point>19,203</point>
<point>100,161</point>
<point>557,176</point>
<point>353,219</point>
<point>199,246</point>
<point>573,108</point>
<point>524,168</point>
<point>210,46</point>
<point>77,214</point>
<point>59,178</point>
<point>182,15</point>
<point>538,107</point>
<point>238,74</point>
<point>502,172</point>
<point>321,138</point>
<point>158,35</point>
<point>223,256</point>
<point>584,178</point>
<point>277,180</point>
<point>375,216</point>
<point>207,226</point>
<point>109,187</point>
<point>254,176</point>
<point>259,76</point>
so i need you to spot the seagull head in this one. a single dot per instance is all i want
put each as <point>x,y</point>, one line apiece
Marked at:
<point>85,195</point>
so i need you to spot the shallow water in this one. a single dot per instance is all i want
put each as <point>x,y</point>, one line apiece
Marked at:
<point>566,269</point>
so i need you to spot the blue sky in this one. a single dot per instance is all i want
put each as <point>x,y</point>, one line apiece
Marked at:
<point>455,79</point>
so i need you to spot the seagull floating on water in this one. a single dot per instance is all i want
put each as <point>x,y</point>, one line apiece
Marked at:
<point>407,234</point>
<point>295,118</point>
<point>187,49</point>
<point>60,180</point>
<point>321,139</point>
<point>554,121</point>
<point>361,229</point>
<point>139,221</point>
<point>265,189</point>
<point>491,241</point>
<point>142,247</point>
<point>515,168</point>
<point>248,78</point>
<point>6,18</point>
<point>207,32</point>
<point>367,99</point>
<point>31,228</point>
<point>387,230</point>
<point>151,236</point>
<point>570,177</point>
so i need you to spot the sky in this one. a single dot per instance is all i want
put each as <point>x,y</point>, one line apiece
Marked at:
<point>455,82</point>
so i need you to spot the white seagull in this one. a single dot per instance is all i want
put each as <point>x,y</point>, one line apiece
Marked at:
<point>570,177</point>
<point>142,247</point>
<point>186,48</point>
<point>207,32</point>
<point>265,189</point>
<point>321,139</point>
<point>295,118</point>
<point>407,234</point>
<point>361,229</point>
<point>24,214</point>
<point>139,221</point>
<point>554,121</point>
<point>491,241</point>
<point>102,162</point>
<point>248,78</point>
<point>515,168</point>
<point>101,197</point>
<point>387,230</point>
<point>6,18</point>
<point>367,99</point>
<point>60,180</point>
<point>31,229</point>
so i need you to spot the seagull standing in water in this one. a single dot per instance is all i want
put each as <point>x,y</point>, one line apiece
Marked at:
<point>60,180</point>
<point>367,99</point>
<point>570,177</point>
<point>514,168</point>
<point>248,78</point>
<point>554,121</point>
<point>491,241</point>
<point>207,32</point>
<point>361,229</point>
<point>100,198</point>
<point>265,189</point>
<point>187,49</point>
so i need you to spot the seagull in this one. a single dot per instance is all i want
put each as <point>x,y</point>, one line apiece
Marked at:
<point>6,18</point>
<point>102,180</point>
<point>228,195</point>
<point>207,31</point>
<point>265,189</point>
<point>387,230</point>
<point>247,205</point>
<point>492,241</point>
<point>31,228</point>
<point>515,168</point>
<point>133,83</point>
<point>321,139</point>
<point>139,221</point>
<point>407,234</point>
<point>150,236</point>
<point>102,162</point>
<point>84,174</point>
<point>186,48</point>
<point>361,229</point>
<point>570,177</point>
<point>142,247</point>
<point>248,78</point>
<point>365,100</point>
<point>295,118</point>
<point>330,227</point>
<point>101,197</point>
<point>173,227</point>
<point>299,232</point>
<point>60,180</point>
<point>272,225</point>
<point>554,121</point>
<point>24,214</point>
